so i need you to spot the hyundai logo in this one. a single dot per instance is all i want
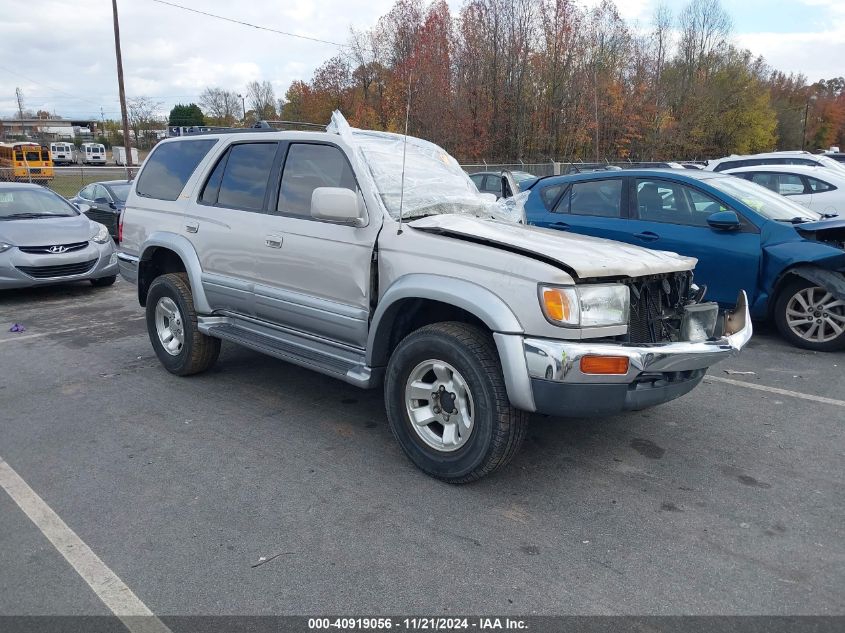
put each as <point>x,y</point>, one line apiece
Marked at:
<point>57,249</point>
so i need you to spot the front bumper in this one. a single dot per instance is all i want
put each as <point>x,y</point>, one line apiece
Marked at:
<point>103,256</point>
<point>656,373</point>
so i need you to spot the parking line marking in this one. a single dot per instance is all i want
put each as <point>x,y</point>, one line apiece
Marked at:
<point>103,581</point>
<point>782,392</point>
<point>73,329</point>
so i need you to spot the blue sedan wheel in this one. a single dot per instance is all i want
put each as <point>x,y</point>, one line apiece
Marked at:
<point>811,317</point>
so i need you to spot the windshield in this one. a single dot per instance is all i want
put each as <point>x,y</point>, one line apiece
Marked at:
<point>434,182</point>
<point>767,203</point>
<point>120,192</point>
<point>28,203</point>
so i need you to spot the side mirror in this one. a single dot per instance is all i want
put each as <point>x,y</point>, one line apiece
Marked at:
<point>724,221</point>
<point>101,200</point>
<point>336,204</point>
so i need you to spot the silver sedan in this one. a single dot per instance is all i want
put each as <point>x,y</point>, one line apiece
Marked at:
<point>46,240</point>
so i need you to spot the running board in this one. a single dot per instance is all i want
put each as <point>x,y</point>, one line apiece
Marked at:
<point>339,362</point>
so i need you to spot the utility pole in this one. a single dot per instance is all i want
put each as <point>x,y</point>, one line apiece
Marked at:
<point>243,105</point>
<point>126,144</point>
<point>19,96</point>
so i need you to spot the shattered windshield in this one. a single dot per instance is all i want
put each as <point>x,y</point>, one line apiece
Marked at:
<point>434,182</point>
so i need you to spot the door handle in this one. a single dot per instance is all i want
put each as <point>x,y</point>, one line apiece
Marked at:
<point>191,226</point>
<point>273,241</point>
<point>562,226</point>
<point>647,236</point>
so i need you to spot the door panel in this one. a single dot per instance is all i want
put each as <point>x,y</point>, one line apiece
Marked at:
<point>674,217</point>
<point>318,280</point>
<point>225,224</point>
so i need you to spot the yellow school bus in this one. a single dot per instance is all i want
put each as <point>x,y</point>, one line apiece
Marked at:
<point>25,161</point>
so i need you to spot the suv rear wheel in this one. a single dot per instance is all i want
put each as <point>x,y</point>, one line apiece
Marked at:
<point>809,316</point>
<point>447,405</point>
<point>172,327</point>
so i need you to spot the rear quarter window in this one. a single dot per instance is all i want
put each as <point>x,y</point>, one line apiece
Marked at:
<point>169,167</point>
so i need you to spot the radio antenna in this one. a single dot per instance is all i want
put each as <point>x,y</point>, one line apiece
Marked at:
<point>404,151</point>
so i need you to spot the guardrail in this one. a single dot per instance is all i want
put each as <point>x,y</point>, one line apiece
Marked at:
<point>67,181</point>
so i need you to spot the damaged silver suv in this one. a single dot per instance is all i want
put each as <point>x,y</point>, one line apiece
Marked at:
<point>372,258</point>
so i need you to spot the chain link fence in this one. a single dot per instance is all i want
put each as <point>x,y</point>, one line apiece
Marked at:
<point>556,168</point>
<point>66,181</point>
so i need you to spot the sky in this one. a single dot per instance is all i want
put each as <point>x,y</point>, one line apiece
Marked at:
<point>61,53</point>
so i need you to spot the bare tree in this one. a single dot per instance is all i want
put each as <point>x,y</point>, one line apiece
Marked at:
<point>262,99</point>
<point>705,27</point>
<point>221,106</point>
<point>144,115</point>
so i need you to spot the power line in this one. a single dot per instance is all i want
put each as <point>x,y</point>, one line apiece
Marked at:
<point>254,26</point>
<point>67,94</point>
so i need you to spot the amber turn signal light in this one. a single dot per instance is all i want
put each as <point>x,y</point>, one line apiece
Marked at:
<point>556,304</point>
<point>617,365</point>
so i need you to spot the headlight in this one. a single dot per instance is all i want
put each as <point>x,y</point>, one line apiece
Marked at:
<point>4,247</point>
<point>587,305</point>
<point>102,235</point>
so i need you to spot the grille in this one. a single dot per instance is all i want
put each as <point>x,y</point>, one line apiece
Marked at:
<point>104,217</point>
<point>656,307</point>
<point>65,270</point>
<point>45,250</point>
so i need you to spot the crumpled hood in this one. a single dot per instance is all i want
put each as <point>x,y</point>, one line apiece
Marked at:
<point>829,229</point>
<point>46,231</point>
<point>586,256</point>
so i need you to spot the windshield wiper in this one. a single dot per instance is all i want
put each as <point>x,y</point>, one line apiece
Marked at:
<point>33,215</point>
<point>796,220</point>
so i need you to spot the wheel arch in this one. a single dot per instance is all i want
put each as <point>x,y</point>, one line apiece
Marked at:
<point>832,280</point>
<point>166,253</point>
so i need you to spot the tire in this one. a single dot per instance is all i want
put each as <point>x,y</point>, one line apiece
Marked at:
<point>103,282</point>
<point>466,356</point>
<point>171,303</point>
<point>824,314</point>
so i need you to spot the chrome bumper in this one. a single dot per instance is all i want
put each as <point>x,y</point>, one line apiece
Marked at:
<point>560,361</point>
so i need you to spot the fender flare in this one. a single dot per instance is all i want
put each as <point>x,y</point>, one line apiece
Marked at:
<point>185,250</point>
<point>833,281</point>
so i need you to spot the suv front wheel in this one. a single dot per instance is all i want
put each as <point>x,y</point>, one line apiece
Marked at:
<point>447,405</point>
<point>172,327</point>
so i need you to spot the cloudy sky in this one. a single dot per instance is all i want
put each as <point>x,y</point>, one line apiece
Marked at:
<point>61,52</point>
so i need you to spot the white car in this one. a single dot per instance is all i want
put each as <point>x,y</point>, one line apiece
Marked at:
<point>817,188</point>
<point>775,158</point>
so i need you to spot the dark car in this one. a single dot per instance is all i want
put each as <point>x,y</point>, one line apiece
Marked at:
<point>106,200</point>
<point>790,260</point>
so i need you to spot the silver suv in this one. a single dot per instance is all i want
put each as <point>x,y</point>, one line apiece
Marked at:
<point>372,258</point>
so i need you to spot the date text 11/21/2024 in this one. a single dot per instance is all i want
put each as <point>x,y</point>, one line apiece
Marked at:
<point>417,624</point>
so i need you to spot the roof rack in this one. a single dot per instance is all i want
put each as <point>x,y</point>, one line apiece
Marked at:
<point>260,126</point>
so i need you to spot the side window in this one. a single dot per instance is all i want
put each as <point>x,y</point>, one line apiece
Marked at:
<point>87,192</point>
<point>244,178</point>
<point>169,167</point>
<point>100,192</point>
<point>307,167</point>
<point>550,194</point>
<point>765,179</point>
<point>492,184</point>
<point>789,184</point>
<point>477,180</point>
<point>212,185</point>
<point>818,186</point>
<point>674,203</point>
<point>601,198</point>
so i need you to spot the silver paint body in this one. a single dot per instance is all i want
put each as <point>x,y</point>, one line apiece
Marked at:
<point>306,290</point>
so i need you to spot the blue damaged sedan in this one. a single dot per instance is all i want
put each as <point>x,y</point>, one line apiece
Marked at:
<point>789,259</point>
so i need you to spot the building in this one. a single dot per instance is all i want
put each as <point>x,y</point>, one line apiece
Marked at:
<point>45,130</point>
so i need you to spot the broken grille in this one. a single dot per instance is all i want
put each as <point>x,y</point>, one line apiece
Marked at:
<point>657,307</point>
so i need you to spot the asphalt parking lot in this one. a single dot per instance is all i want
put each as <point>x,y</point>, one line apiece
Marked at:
<point>727,501</point>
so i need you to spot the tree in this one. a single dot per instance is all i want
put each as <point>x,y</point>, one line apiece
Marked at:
<point>262,99</point>
<point>186,115</point>
<point>143,117</point>
<point>221,106</point>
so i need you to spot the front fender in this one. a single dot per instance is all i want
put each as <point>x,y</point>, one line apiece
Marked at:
<point>478,301</point>
<point>185,250</point>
